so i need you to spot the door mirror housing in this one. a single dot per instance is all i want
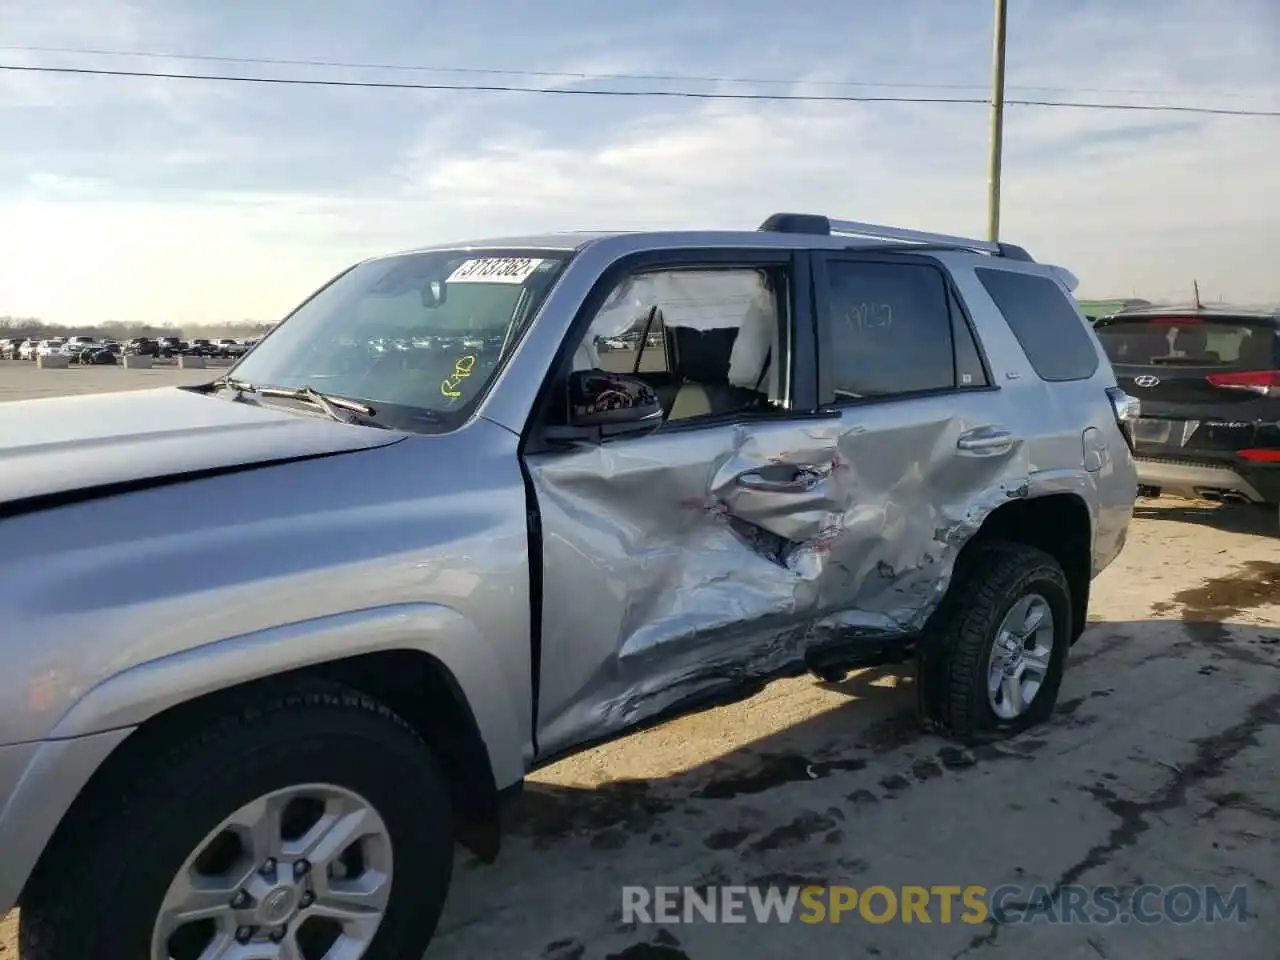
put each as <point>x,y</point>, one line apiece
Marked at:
<point>599,398</point>
<point>603,403</point>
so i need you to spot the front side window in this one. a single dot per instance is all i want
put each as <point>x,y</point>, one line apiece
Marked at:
<point>417,337</point>
<point>711,342</point>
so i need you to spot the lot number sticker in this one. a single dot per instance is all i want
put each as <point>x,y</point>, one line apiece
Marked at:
<point>495,270</point>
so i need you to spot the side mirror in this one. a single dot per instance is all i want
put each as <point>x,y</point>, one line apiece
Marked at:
<point>611,402</point>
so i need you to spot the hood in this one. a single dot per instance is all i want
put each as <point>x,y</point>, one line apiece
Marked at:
<point>63,445</point>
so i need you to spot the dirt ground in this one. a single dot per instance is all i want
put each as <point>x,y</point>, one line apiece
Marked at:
<point>1159,768</point>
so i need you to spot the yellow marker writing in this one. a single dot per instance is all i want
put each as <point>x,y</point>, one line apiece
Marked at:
<point>461,370</point>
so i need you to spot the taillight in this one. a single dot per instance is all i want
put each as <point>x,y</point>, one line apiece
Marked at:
<point>1260,456</point>
<point>1265,383</point>
<point>1126,409</point>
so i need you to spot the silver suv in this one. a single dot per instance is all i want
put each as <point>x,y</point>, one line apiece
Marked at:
<point>257,729</point>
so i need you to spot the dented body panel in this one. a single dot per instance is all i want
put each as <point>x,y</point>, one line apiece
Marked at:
<point>702,580</point>
<point>700,583</point>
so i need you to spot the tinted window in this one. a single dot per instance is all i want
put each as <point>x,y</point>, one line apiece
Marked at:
<point>1052,334</point>
<point>890,330</point>
<point>1169,341</point>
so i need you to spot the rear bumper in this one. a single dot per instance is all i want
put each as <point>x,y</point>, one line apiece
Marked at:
<point>1210,481</point>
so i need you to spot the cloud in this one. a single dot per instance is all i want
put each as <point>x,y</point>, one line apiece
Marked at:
<point>239,204</point>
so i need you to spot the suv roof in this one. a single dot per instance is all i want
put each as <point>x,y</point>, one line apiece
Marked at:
<point>813,231</point>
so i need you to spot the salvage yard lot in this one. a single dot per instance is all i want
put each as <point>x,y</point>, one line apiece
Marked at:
<point>1159,769</point>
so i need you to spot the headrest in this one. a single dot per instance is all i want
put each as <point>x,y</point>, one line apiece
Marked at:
<point>1258,350</point>
<point>1192,340</point>
<point>703,356</point>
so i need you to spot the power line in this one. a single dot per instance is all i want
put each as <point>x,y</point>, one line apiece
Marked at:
<point>568,75</point>
<point>651,94</point>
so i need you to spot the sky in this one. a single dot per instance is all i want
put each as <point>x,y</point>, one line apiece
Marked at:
<point>151,201</point>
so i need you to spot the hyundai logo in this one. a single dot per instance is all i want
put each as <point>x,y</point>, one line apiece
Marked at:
<point>1146,380</point>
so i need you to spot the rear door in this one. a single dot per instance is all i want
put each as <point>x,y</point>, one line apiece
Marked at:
<point>1209,385</point>
<point>927,442</point>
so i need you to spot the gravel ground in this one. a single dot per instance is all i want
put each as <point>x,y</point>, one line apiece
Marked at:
<point>1159,768</point>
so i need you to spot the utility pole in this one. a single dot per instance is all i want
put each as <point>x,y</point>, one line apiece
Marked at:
<point>997,124</point>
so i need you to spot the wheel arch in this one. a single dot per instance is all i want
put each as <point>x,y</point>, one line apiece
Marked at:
<point>415,685</point>
<point>1061,525</point>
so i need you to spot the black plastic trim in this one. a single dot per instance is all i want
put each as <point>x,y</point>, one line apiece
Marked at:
<point>805,223</point>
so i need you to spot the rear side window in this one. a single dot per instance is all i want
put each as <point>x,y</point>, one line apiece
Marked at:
<point>1188,341</point>
<point>1045,322</point>
<point>890,330</point>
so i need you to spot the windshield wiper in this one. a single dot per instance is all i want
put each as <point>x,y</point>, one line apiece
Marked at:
<point>326,402</point>
<point>331,405</point>
<point>233,383</point>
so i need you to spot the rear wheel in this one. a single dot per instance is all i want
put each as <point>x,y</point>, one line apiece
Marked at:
<point>993,658</point>
<point>311,825</point>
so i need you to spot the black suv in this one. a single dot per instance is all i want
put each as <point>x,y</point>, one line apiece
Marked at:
<point>171,347</point>
<point>1208,378</point>
<point>142,347</point>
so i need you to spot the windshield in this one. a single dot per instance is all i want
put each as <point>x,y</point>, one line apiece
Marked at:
<point>418,337</point>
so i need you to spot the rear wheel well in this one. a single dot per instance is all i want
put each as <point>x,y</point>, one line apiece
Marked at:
<point>414,685</point>
<point>1060,525</point>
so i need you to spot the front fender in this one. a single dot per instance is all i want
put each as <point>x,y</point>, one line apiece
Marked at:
<point>133,696</point>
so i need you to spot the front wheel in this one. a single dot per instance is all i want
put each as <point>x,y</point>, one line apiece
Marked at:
<point>992,661</point>
<point>312,825</point>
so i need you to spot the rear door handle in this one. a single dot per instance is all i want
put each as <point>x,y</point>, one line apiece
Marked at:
<point>781,480</point>
<point>986,441</point>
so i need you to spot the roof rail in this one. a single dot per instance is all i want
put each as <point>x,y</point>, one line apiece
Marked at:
<point>813,223</point>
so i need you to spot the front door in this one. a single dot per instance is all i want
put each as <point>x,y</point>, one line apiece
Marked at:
<point>680,566</point>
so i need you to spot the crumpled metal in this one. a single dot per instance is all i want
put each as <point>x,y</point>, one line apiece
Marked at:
<point>715,583</point>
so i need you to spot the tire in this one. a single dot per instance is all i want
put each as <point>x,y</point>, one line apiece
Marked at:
<point>98,890</point>
<point>959,646</point>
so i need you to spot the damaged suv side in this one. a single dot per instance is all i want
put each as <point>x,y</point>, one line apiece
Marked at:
<point>497,502</point>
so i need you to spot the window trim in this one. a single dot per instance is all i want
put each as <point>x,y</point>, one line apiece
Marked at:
<point>825,322</point>
<point>801,377</point>
<point>961,316</point>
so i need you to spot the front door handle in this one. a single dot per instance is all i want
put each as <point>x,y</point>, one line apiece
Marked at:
<point>986,441</point>
<point>780,480</point>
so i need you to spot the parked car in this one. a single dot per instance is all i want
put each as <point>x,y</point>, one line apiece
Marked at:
<point>76,348</point>
<point>227,347</point>
<point>417,576</point>
<point>142,347</point>
<point>103,354</point>
<point>11,349</point>
<point>170,347</point>
<point>27,351</point>
<point>1209,381</point>
<point>47,347</point>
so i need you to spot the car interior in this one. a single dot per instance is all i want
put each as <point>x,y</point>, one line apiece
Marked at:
<point>713,358</point>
